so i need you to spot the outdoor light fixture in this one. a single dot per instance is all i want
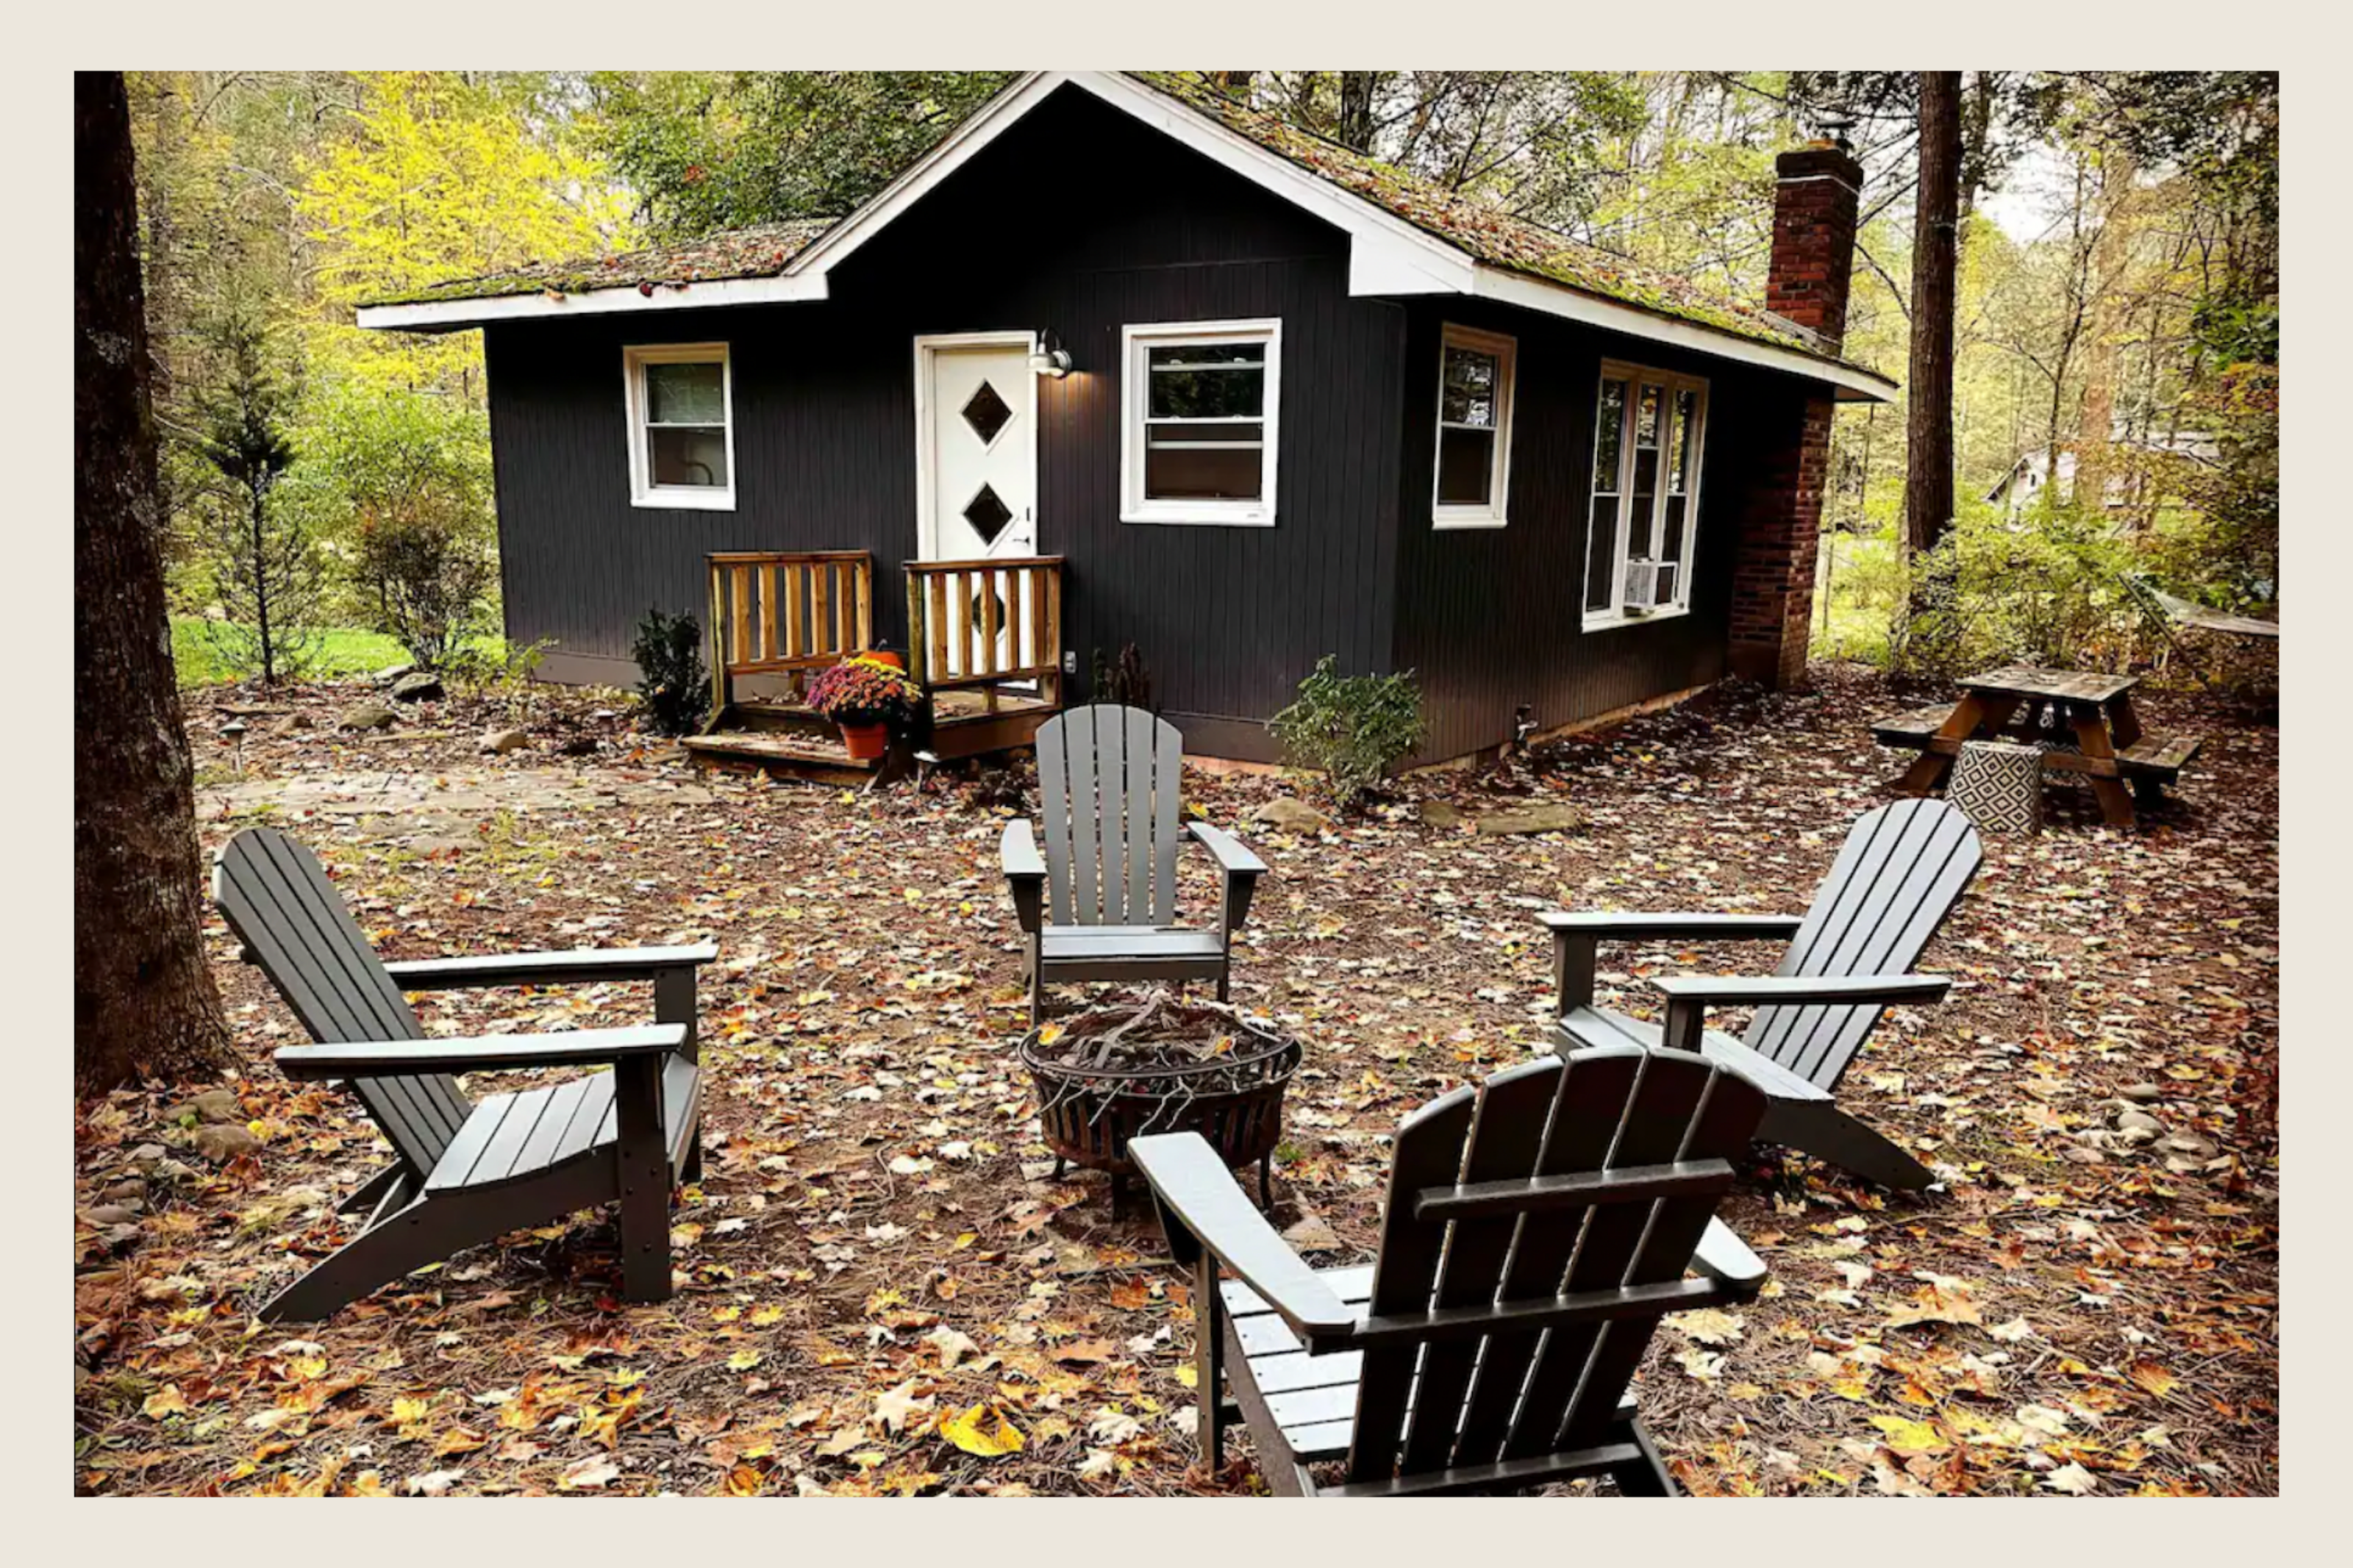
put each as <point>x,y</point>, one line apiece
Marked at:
<point>1049,359</point>
<point>234,732</point>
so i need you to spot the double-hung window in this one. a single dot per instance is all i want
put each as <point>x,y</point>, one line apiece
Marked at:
<point>1475,429</point>
<point>1198,418</point>
<point>1644,519</point>
<point>681,428</point>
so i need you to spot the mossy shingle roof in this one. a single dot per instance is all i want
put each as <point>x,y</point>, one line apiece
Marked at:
<point>762,251</point>
<point>1478,228</point>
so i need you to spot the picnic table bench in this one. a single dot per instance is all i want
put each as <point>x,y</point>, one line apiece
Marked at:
<point>2098,733</point>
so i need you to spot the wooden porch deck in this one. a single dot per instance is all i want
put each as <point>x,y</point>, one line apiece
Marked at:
<point>985,645</point>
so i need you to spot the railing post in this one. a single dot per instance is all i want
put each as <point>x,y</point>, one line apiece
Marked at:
<point>917,640</point>
<point>720,688</point>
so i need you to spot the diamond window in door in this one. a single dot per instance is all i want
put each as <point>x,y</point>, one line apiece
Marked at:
<point>988,514</point>
<point>987,414</point>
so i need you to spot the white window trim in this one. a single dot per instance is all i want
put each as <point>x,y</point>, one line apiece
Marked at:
<point>1496,511</point>
<point>1134,400</point>
<point>643,492</point>
<point>1670,382</point>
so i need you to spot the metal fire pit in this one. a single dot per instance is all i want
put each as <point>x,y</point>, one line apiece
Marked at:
<point>1089,1113</point>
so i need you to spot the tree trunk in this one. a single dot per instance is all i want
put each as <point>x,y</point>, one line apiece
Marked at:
<point>2110,257</point>
<point>1928,394</point>
<point>1355,127</point>
<point>144,1003</point>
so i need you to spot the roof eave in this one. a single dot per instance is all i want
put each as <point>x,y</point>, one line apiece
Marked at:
<point>1851,383</point>
<point>449,315</point>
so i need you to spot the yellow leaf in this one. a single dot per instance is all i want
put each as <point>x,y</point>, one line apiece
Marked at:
<point>985,1430</point>
<point>742,1360</point>
<point>1908,1438</point>
<point>2148,1373</point>
<point>166,1401</point>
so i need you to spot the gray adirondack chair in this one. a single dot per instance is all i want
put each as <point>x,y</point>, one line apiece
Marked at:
<point>468,1171</point>
<point>1902,870</point>
<point>1537,1229</point>
<point>1108,782</point>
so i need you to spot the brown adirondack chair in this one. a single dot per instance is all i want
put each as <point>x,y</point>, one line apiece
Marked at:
<point>1537,1229</point>
<point>1108,782</point>
<point>1902,870</point>
<point>465,1171</point>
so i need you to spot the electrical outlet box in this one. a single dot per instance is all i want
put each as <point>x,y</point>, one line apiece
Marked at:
<point>1070,662</point>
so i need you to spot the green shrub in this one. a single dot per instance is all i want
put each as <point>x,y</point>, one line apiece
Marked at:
<point>673,677</point>
<point>1353,729</point>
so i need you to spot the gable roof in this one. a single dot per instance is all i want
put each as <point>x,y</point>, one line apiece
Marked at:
<point>1407,236</point>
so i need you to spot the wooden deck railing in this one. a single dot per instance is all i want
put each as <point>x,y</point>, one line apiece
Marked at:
<point>787,613</point>
<point>980,623</point>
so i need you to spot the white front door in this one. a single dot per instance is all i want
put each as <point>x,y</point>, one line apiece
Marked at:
<point>979,402</point>
<point>976,401</point>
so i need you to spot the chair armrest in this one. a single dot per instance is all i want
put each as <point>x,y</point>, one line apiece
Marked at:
<point>1202,1207</point>
<point>1689,996</point>
<point>1724,1258</point>
<point>1242,868</point>
<point>1025,872</point>
<point>1233,856</point>
<point>581,966</point>
<point>1697,928</point>
<point>486,1053</point>
<point>1578,935</point>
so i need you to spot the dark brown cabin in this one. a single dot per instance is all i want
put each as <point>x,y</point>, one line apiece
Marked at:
<point>1203,383</point>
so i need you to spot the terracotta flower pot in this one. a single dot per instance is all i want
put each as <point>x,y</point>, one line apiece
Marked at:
<point>866,741</point>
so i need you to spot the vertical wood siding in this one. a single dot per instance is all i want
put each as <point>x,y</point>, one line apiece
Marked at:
<point>1076,221</point>
<point>1491,619</point>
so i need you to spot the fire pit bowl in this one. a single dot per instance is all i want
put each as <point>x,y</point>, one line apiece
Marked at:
<point>1111,1074</point>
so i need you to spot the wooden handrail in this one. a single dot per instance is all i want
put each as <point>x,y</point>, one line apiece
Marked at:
<point>959,636</point>
<point>786,612</point>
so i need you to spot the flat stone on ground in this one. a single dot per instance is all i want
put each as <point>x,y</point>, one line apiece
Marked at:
<point>1560,818</point>
<point>365,716</point>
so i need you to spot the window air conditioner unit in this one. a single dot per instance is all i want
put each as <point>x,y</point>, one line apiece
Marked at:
<point>1650,585</point>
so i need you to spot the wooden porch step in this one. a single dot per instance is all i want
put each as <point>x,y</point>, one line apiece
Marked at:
<point>822,758</point>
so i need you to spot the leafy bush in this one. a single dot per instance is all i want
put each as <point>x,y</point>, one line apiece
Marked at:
<point>426,582</point>
<point>866,691</point>
<point>1351,727</point>
<point>399,483</point>
<point>671,676</point>
<point>1124,680</point>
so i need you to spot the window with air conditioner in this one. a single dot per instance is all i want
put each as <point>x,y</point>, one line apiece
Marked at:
<point>1649,430</point>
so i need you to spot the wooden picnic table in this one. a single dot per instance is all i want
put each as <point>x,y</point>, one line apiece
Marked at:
<point>2092,710</point>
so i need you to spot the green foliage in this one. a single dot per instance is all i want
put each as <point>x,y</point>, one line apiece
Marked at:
<point>671,676</point>
<point>426,579</point>
<point>713,150</point>
<point>442,174</point>
<point>1351,727</point>
<point>334,652</point>
<point>866,691</point>
<point>260,563</point>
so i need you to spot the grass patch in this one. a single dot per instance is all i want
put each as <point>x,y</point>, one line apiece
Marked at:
<point>340,651</point>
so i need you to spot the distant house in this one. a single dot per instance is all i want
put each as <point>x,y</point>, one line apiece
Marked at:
<point>2024,479</point>
<point>1249,396</point>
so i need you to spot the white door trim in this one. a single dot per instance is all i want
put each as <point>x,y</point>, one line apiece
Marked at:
<point>926,503</point>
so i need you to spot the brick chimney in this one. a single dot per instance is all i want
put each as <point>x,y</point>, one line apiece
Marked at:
<point>1814,208</point>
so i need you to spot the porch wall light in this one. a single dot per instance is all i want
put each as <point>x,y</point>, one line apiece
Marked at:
<point>1051,358</point>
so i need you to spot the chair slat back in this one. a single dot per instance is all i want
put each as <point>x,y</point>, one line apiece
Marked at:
<point>1108,782</point>
<point>279,901</point>
<point>1899,874</point>
<point>1523,1393</point>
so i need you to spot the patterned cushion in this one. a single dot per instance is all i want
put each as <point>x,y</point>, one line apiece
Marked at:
<point>1998,786</point>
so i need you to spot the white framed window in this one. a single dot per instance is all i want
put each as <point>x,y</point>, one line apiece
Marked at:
<point>1200,412</point>
<point>1475,429</point>
<point>1648,431</point>
<point>680,400</point>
